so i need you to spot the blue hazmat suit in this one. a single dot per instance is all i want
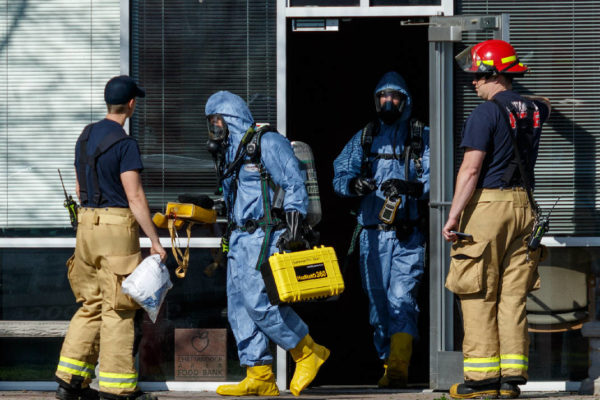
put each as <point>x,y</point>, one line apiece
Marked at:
<point>253,319</point>
<point>391,269</point>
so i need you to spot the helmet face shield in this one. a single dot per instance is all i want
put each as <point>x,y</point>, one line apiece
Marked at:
<point>465,61</point>
<point>217,128</point>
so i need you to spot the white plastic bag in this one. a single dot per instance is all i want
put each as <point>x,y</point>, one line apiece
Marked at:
<point>148,285</point>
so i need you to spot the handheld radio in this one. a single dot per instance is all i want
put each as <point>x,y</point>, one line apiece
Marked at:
<point>69,204</point>
<point>540,228</point>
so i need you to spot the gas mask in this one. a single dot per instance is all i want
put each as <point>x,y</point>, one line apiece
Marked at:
<point>218,133</point>
<point>391,108</point>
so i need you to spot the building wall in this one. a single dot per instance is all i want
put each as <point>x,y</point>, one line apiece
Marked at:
<point>55,57</point>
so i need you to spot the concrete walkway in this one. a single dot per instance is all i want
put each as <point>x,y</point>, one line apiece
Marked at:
<point>318,393</point>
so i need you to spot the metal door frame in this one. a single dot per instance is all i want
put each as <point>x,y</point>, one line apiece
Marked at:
<point>445,363</point>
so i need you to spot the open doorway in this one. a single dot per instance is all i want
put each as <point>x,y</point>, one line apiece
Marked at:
<point>331,77</point>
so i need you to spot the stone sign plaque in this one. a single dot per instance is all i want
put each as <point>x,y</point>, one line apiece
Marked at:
<point>200,354</point>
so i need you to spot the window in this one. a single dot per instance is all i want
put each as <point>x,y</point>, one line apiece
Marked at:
<point>406,2</point>
<point>324,3</point>
<point>558,40</point>
<point>55,58</point>
<point>181,54</point>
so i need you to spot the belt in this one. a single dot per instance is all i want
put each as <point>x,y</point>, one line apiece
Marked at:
<point>517,194</point>
<point>252,225</point>
<point>381,227</point>
<point>110,215</point>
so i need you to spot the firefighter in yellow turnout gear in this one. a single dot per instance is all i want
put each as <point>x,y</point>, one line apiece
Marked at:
<point>107,250</point>
<point>493,268</point>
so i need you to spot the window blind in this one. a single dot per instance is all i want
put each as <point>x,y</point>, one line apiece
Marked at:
<point>182,52</point>
<point>559,41</point>
<point>55,58</point>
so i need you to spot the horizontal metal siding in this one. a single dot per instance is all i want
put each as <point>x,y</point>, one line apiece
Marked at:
<point>560,42</point>
<point>182,53</point>
<point>56,57</point>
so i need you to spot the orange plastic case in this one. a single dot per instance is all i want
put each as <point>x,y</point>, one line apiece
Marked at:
<point>302,275</point>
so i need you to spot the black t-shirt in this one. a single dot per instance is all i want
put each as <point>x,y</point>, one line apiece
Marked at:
<point>123,156</point>
<point>486,130</point>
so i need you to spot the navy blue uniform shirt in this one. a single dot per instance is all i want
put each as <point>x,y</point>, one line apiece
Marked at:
<point>123,156</point>
<point>486,130</point>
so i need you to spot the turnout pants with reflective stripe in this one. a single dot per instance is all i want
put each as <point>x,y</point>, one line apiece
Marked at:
<point>492,277</point>
<point>107,250</point>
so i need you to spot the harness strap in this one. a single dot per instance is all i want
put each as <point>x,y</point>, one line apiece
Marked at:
<point>525,177</point>
<point>250,146</point>
<point>416,144</point>
<point>90,160</point>
<point>182,258</point>
<point>414,141</point>
<point>355,235</point>
<point>81,176</point>
<point>268,221</point>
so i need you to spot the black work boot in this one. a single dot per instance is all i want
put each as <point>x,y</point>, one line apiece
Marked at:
<point>139,395</point>
<point>66,391</point>
<point>509,390</point>
<point>462,391</point>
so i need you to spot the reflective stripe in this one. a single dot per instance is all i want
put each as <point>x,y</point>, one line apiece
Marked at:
<point>126,385</point>
<point>514,366</point>
<point>486,62</point>
<point>113,380</point>
<point>117,384</point>
<point>485,364</point>
<point>483,360</point>
<point>516,361</point>
<point>508,59</point>
<point>483,369</point>
<point>514,357</point>
<point>75,367</point>
<point>114,375</point>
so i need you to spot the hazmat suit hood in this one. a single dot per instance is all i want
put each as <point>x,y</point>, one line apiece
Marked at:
<point>393,81</point>
<point>235,112</point>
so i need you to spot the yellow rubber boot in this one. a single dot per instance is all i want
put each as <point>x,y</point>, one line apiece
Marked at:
<point>309,357</point>
<point>259,381</point>
<point>396,367</point>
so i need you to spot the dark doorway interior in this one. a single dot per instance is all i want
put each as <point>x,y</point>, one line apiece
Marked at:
<point>331,78</point>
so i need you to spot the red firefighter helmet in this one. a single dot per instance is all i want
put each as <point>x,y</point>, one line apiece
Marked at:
<point>493,57</point>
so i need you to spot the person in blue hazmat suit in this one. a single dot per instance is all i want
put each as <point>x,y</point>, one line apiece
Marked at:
<point>387,163</point>
<point>253,319</point>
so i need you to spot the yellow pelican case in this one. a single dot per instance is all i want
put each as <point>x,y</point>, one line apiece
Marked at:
<point>302,275</point>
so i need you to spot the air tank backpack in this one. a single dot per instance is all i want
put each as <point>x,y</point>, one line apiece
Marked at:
<point>300,275</point>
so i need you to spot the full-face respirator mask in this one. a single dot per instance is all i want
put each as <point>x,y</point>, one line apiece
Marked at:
<point>388,111</point>
<point>218,133</point>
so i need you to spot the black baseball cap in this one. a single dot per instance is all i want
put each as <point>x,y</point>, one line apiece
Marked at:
<point>121,89</point>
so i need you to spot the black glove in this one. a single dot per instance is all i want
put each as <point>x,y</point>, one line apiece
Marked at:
<point>199,200</point>
<point>292,238</point>
<point>395,187</point>
<point>362,186</point>
<point>221,208</point>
